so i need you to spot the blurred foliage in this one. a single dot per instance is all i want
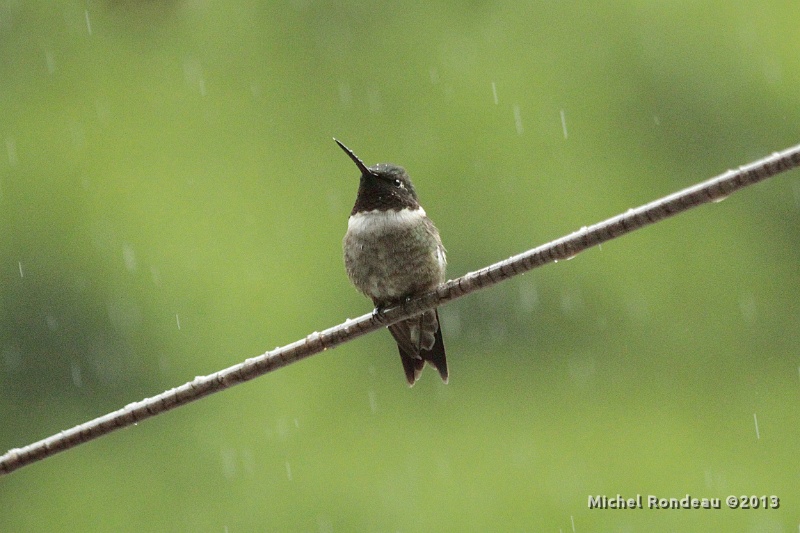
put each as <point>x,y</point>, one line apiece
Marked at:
<point>171,203</point>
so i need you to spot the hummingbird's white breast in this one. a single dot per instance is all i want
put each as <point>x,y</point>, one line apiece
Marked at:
<point>378,221</point>
<point>390,254</point>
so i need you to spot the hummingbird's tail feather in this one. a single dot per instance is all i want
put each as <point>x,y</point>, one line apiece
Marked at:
<point>412,366</point>
<point>419,340</point>
<point>435,356</point>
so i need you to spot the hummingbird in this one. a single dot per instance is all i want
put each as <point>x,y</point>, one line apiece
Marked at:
<point>393,252</point>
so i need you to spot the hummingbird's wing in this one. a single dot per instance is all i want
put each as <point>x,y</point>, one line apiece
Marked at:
<point>419,339</point>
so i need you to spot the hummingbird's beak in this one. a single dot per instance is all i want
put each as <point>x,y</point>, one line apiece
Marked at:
<point>360,164</point>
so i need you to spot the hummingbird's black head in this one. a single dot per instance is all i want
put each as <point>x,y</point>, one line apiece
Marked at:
<point>383,187</point>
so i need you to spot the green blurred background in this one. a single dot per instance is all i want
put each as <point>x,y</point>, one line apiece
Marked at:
<point>171,203</point>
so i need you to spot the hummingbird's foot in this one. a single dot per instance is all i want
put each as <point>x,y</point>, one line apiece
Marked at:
<point>380,313</point>
<point>380,308</point>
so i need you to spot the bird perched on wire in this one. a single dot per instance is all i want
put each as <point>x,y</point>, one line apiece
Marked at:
<point>392,251</point>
